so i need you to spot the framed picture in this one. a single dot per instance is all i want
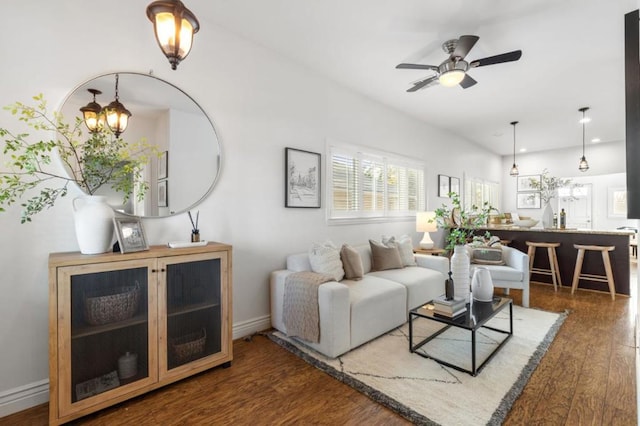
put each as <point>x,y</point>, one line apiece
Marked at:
<point>163,198</point>
<point>525,183</point>
<point>163,163</point>
<point>302,178</point>
<point>130,234</point>
<point>617,202</point>
<point>454,185</point>
<point>444,186</point>
<point>528,200</point>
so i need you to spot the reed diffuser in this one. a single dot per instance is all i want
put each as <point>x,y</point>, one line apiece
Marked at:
<point>195,232</point>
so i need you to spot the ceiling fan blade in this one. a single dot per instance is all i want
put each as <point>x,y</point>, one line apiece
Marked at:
<point>423,84</point>
<point>467,81</point>
<point>417,67</point>
<point>464,45</point>
<point>498,59</point>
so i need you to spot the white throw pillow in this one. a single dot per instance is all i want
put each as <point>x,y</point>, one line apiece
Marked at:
<point>405,247</point>
<point>325,259</point>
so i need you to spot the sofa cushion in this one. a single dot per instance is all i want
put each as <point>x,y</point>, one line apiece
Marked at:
<point>325,259</point>
<point>377,306</point>
<point>351,262</point>
<point>384,257</point>
<point>405,248</point>
<point>422,284</point>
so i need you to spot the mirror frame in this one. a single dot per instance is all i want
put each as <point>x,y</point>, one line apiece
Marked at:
<point>217,142</point>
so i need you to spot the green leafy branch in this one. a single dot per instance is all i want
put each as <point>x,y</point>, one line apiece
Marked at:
<point>459,223</point>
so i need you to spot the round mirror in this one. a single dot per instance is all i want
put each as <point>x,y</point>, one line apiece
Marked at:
<point>188,164</point>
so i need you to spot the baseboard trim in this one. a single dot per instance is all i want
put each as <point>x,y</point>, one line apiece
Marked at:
<point>33,394</point>
<point>23,397</point>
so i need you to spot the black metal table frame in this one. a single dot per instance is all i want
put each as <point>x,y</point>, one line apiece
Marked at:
<point>449,323</point>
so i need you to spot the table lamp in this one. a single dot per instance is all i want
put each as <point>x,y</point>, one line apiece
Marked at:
<point>426,222</point>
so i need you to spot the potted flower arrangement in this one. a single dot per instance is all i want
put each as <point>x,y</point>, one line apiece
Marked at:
<point>91,161</point>
<point>459,223</point>
<point>548,186</point>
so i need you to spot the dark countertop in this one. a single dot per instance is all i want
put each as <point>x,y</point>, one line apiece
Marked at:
<point>556,230</point>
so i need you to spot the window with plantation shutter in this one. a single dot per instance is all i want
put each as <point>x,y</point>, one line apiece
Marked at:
<point>365,184</point>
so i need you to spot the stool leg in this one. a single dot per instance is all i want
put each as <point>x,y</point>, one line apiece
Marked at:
<point>532,253</point>
<point>555,261</point>
<point>577,270</point>
<point>607,267</point>
<point>552,266</point>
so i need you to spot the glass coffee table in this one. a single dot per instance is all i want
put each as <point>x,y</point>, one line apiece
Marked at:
<point>475,318</point>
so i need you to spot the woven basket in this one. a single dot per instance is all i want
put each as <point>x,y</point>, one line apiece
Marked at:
<point>188,347</point>
<point>111,305</point>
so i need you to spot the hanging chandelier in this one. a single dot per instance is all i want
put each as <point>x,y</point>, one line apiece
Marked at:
<point>117,114</point>
<point>583,165</point>
<point>92,113</point>
<point>174,26</point>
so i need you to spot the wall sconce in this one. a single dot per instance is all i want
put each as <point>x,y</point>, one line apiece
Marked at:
<point>514,169</point>
<point>92,113</point>
<point>584,165</point>
<point>426,222</point>
<point>174,27</point>
<point>117,114</point>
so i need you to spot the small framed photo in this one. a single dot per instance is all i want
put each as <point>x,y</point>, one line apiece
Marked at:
<point>528,200</point>
<point>130,234</point>
<point>454,185</point>
<point>443,186</point>
<point>163,197</point>
<point>526,183</point>
<point>302,178</point>
<point>163,163</point>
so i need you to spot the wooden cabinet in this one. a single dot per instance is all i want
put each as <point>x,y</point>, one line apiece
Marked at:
<point>123,324</point>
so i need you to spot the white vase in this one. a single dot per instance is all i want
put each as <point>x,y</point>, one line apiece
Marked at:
<point>94,224</point>
<point>460,269</point>
<point>547,216</point>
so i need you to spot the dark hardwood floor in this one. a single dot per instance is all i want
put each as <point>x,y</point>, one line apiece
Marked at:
<point>586,377</point>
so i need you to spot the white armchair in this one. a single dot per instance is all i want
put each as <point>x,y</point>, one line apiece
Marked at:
<point>513,274</point>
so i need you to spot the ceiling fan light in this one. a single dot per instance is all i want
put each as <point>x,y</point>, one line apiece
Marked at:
<point>451,78</point>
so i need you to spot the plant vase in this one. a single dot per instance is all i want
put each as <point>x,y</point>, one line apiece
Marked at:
<point>547,216</point>
<point>93,219</point>
<point>460,268</point>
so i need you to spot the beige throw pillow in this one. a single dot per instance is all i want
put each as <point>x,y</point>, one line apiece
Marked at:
<point>351,262</point>
<point>405,248</point>
<point>325,259</point>
<point>385,257</point>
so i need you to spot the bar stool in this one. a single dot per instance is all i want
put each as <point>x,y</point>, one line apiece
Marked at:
<point>608,278</point>
<point>554,270</point>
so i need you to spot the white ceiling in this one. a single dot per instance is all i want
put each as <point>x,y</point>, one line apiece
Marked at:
<point>573,56</point>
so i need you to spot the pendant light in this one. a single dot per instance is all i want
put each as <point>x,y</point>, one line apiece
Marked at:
<point>514,169</point>
<point>117,114</point>
<point>92,113</point>
<point>174,27</point>
<point>583,166</point>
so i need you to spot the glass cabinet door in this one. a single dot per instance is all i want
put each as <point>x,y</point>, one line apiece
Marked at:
<point>191,294</point>
<point>108,324</point>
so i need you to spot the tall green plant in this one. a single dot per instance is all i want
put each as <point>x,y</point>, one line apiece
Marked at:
<point>93,161</point>
<point>461,224</point>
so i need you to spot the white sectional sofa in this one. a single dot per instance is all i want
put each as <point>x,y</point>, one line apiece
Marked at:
<point>352,312</point>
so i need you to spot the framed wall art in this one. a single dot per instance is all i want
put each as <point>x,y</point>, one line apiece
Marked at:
<point>528,200</point>
<point>454,185</point>
<point>525,183</point>
<point>444,186</point>
<point>163,196</point>
<point>163,163</point>
<point>302,178</point>
<point>130,234</point>
<point>617,202</point>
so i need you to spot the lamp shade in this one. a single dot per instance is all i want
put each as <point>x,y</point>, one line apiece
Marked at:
<point>174,27</point>
<point>423,223</point>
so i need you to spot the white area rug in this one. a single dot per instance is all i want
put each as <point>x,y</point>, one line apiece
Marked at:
<point>426,392</point>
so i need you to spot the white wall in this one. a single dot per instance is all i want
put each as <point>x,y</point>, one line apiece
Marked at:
<point>606,168</point>
<point>259,102</point>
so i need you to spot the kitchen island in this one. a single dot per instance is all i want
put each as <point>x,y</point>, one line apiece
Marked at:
<point>567,253</point>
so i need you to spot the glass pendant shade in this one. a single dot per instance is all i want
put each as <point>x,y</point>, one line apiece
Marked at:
<point>92,113</point>
<point>174,27</point>
<point>514,170</point>
<point>117,115</point>
<point>584,165</point>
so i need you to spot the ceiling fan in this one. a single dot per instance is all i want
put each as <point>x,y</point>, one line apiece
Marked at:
<point>454,69</point>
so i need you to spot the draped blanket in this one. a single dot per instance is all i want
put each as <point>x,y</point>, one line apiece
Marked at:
<point>301,313</point>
